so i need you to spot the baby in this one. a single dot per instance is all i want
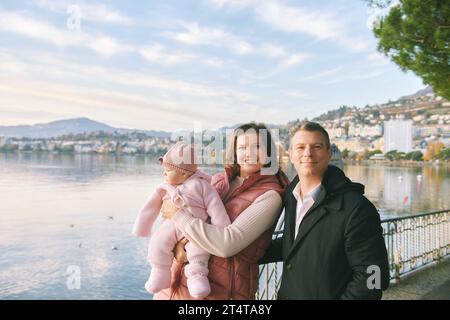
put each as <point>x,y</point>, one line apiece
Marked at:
<point>188,187</point>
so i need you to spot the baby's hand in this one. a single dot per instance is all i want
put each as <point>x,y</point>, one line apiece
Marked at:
<point>168,209</point>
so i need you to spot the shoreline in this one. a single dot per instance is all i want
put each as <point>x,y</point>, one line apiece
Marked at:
<point>283,160</point>
<point>401,163</point>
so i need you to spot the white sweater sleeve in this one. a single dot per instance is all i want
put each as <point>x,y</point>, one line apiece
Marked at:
<point>246,228</point>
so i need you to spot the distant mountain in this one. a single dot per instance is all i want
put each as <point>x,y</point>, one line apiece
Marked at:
<point>423,92</point>
<point>69,126</point>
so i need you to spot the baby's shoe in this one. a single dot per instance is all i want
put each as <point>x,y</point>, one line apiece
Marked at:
<point>159,279</point>
<point>198,286</point>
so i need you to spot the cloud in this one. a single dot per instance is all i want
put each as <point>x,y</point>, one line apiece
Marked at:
<point>214,62</point>
<point>102,44</point>
<point>319,24</point>
<point>52,67</point>
<point>322,74</point>
<point>120,108</point>
<point>239,4</point>
<point>72,87</point>
<point>359,76</point>
<point>40,30</point>
<point>287,59</point>
<point>157,53</point>
<point>92,12</point>
<point>293,60</point>
<point>273,50</point>
<point>295,94</point>
<point>377,60</point>
<point>193,35</point>
<point>196,35</point>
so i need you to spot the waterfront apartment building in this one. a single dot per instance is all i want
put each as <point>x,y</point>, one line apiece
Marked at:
<point>398,135</point>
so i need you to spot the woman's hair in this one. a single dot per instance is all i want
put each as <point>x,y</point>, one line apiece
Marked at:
<point>264,138</point>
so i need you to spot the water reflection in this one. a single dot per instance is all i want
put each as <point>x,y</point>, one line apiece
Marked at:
<point>403,190</point>
<point>71,210</point>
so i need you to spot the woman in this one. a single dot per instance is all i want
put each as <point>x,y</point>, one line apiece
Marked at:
<point>253,199</point>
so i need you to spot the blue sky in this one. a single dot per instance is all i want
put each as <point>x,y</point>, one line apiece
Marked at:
<point>165,64</point>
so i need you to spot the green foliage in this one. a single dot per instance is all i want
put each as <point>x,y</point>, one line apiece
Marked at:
<point>379,3</point>
<point>391,155</point>
<point>395,155</point>
<point>416,36</point>
<point>333,114</point>
<point>367,154</point>
<point>414,155</point>
<point>444,154</point>
<point>345,153</point>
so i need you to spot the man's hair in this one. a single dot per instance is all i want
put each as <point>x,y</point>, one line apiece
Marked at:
<point>311,127</point>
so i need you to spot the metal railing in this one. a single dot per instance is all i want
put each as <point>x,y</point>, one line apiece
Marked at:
<point>412,242</point>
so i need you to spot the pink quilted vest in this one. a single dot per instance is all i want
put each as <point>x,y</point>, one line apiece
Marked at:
<point>235,277</point>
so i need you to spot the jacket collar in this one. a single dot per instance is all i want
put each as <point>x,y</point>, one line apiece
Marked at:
<point>329,200</point>
<point>334,184</point>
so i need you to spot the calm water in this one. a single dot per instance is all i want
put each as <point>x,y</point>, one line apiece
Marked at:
<point>59,212</point>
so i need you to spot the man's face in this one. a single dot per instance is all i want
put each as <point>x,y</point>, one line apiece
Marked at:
<point>309,153</point>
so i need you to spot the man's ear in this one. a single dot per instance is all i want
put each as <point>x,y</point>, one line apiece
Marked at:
<point>330,154</point>
<point>289,152</point>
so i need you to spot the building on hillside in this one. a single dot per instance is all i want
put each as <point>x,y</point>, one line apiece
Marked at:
<point>398,135</point>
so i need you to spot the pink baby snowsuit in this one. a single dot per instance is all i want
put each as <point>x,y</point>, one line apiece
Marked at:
<point>202,200</point>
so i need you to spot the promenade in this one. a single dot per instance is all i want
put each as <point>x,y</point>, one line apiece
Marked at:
<point>429,283</point>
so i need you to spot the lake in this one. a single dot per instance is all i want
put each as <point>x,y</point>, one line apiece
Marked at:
<point>67,215</point>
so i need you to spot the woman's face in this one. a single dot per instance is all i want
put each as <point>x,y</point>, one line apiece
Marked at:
<point>251,156</point>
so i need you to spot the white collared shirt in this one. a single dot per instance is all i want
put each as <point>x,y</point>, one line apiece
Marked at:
<point>306,204</point>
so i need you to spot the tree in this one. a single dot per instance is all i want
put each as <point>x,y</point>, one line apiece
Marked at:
<point>417,156</point>
<point>345,153</point>
<point>376,114</point>
<point>445,154</point>
<point>433,150</point>
<point>391,155</point>
<point>415,34</point>
<point>379,3</point>
<point>414,155</point>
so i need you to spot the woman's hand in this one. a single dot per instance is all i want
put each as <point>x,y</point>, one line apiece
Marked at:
<point>168,209</point>
<point>179,252</point>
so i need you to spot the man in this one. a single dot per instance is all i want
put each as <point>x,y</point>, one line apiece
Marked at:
<point>332,244</point>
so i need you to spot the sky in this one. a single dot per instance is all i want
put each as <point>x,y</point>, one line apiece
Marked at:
<point>167,65</point>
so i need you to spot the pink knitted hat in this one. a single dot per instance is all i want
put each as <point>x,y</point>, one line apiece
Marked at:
<point>180,157</point>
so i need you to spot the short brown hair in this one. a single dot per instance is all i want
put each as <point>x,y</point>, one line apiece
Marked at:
<point>311,127</point>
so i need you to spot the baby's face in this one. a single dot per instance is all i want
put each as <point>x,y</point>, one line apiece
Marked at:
<point>174,177</point>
